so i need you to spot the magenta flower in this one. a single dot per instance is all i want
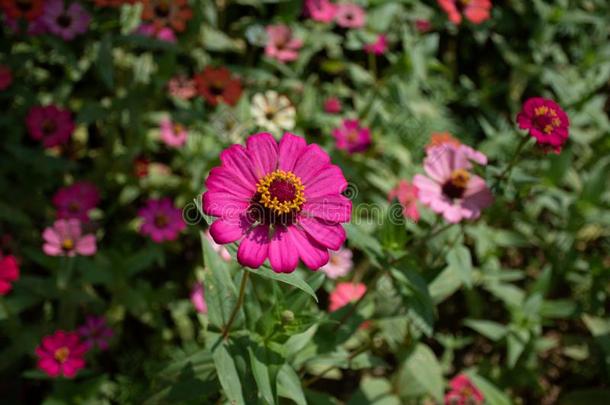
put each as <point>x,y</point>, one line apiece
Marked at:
<point>220,249</point>
<point>9,272</point>
<point>350,136</point>
<point>51,125</point>
<point>345,293</point>
<point>423,25</point>
<point>281,202</point>
<point>320,10</point>
<point>463,392</point>
<point>182,87</point>
<point>66,21</point>
<point>340,263</point>
<point>332,105</point>
<point>76,201</point>
<point>198,299</point>
<point>449,187</point>
<point>406,194</point>
<point>545,121</point>
<point>165,34</point>
<point>65,238</point>
<point>95,332</point>
<point>281,45</point>
<point>162,220</point>
<point>6,77</point>
<point>61,354</point>
<point>379,47</point>
<point>350,15</point>
<point>173,134</point>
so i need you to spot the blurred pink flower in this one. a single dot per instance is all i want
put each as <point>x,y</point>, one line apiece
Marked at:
<point>476,11</point>
<point>61,354</point>
<point>281,45</point>
<point>173,134</point>
<point>9,272</point>
<point>379,47</point>
<point>50,124</point>
<point>162,220</point>
<point>198,298</point>
<point>220,249</point>
<point>350,15</point>
<point>449,187</point>
<point>546,121</point>
<point>65,21</point>
<point>340,263</point>
<point>6,77</point>
<point>65,238</point>
<point>34,27</point>
<point>345,293</point>
<point>182,87</point>
<point>95,332</point>
<point>320,10</point>
<point>76,200</point>
<point>332,105</point>
<point>165,34</point>
<point>406,194</point>
<point>350,136</point>
<point>463,392</point>
<point>423,25</point>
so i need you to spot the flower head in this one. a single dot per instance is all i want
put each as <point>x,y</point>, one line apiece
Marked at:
<point>449,187</point>
<point>173,134</point>
<point>463,392</point>
<point>182,87</point>
<point>162,220</point>
<point>65,21</point>
<point>29,10</point>
<point>281,202</point>
<point>76,201</point>
<point>350,136</point>
<point>332,105</point>
<point>545,121</point>
<point>273,111</point>
<point>9,272</point>
<point>476,11</point>
<point>442,138</point>
<point>379,47</point>
<point>222,251</point>
<point>218,85</point>
<point>340,263</point>
<point>65,238</point>
<point>173,14</point>
<point>61,354</point>
<point>95,332</point>
<point>345,293</point>
<point>350,15</point>
<point>51,125</point>
<point>423,25</point>
<point>198,298</point>
<point>320,10</point>
<point>281,45</point>
<point>165,34</point>
<point>406,194</point>
<point>6,77</point>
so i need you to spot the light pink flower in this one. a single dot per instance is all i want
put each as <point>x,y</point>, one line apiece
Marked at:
<point>281,45</point>
<point>340,263</point>
<point>50,124</point>
<point>320,10</point>
<point>165,34</point>
<point>449,187</point>
<point>9,273</point>
<point>463,392</point>
<point>546,121</point>
<point>162,220</point>
<point>220,249</point>
<point>182,87</point>
<point>350,15</point>
<point>332,105</point>
<point>173,134</point>
<point>379,47</point>
<point>65,238</point>
<point>406,194</point>
<point>350,136</point>
<point>6,77</point>
<point>345,293</point>
<point>95,332</point>
<point>198,298</point>
<point>61,354</point>
<point>76,201</point>
<point>282,202</point>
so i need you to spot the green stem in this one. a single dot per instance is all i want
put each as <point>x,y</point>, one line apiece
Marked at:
<point>240,300</point>
<point>67,311</point>
<point>373,65</point>
<point>329,368</point>
<point>507,172</point>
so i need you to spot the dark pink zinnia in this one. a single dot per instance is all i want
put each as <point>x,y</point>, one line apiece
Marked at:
<point>545,121</point>
<point>95,332</point>
<point>76,201</point>
<point>50,124</point>
<point>281,202</point>
<point>6,77</point>
<point>463,392</point>
<point>61,354</point>
<point>9,272</point>
<point>162,220</point>
<point>332,105</point>
<point>350,136</point>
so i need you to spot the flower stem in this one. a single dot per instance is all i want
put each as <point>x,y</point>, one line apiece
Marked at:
<point>240,300</point>
<point>506,173</point>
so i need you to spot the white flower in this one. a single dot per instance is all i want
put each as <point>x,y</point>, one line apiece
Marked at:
<point>273,111</point>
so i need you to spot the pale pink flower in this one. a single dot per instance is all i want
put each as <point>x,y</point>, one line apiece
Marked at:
<point>220,249</point>
<point>173,134</point>
<point>65,238</point>
<point>281,45</point>
<point>406,194</point>
<point>350,15</point>
<point>340,263</point>
<point>182,87</point>
<point>198,298</point>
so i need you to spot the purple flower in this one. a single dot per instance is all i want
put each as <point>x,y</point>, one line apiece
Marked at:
<point>95,332</point>
<point>162,221</point>
<point>66,22</point>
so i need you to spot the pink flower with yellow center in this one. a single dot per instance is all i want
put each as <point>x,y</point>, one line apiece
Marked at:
<point>463,392</point>
<point>476,11</point>
<point>162,220</point>
<point>280,202</point>
<point>61,354</point>
<point>406,194</point>
<point>350,136</point>
<point>345,293</point>
<point>65,238</point>
<point>281,45</point>
<point>173,134</point>
<point>545,121</point>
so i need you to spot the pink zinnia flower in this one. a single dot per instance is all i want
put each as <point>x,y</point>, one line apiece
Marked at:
<point>173,134</point>
<point>66,21</point>
<point>61,354</point>
<point>340,263</point>
<point>423,25</point>
<point>350,136</point>
<point>198,299</point>
<point>6,77</point>
<point>320,10</point>
<point>76,201</point>
<point>449,187</point>
<point>406,194</point>
<point>281,45</point>
<point>51,125</point>
<point>545,121</point>
<point>281,202</point>
<point>165,34</point>
<point>345,293</point>
<point>463,392</point>
<point>65,238</point>
<point>95,332</point>
<point>350,15</point>
<point>379,47</point>
<point>182,87</point>
<point>162,220</point>
<point>222,251</point>
<point>332,105</point>
<point>9,272</point>
<point>476,11</point>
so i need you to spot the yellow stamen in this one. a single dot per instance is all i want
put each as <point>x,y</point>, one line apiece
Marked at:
<point>61,354</point>
<point>67,244</point>
<point>271,202</point>
<point>460,178</point>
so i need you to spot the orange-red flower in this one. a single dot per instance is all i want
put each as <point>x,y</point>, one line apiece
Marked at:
<point>442,138</point>
<point>164,13</point>
<point>17,9</point>
<point>218,85</point>
<point>476,11</point>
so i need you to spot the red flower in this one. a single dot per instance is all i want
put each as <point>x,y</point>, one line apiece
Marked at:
<point>9,272</point>
<point>476,11</point>
<point>545,121</point>
<point>163,13</point>
<point>28,9</point>
<point>61,354</point>
<point>463,392</point>
<point>218,85</point>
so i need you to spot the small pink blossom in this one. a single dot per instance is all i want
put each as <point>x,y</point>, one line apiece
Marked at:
<point>9,273</point>
<point>95,332</point>
<point>281,45</point>
<point>6,77</point>
<point>165,34</point>
<point>350,136</point>
<point>320,10</point>
<point>379,47</point>
<point>65,238</point>
<point>162,220</point>
<point>61,354</point>
<point>463,392</point>
<point>173,134</point>
<point>182,87</point>
<point>423,25</point>
<point>406,194</point>
<point>198,298</point>
<point>476,11</point>
<point>332,105</point>
<point>350,15</point>
<point>50,124</point>
<point>220,249</point>
<point>65,21</point>
<point>76,201</point>
<point>345,293</point>
<point>340,263</point>
<point>546,121</point>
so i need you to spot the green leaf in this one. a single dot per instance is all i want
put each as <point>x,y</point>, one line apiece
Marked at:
<point>227,371</point>
<point>460,262</point>
<point>489,329</point>
<point>293,279</point>
<point>423,366</point>
<point>289,385</point>
<point>105,62</point>
<point>265,367</point>
<point>491,393</point>
<point>414,292</point>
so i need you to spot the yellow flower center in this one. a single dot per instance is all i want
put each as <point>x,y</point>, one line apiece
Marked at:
<point>67,244</point>
<point>460,177</point>
<point>61,354</point>
<point>281,192</point>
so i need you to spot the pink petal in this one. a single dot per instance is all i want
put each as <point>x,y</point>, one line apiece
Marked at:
<point>74,228</point>
<point>51,236</point>
<point>86,245</point>
<point>49,366</point>
<point>5,287</point>
<point>253,249</point>
<point>263,153</point>
<point>327,181</point>
<point>224,180</point>
<point>291,148</point>
<point>311,162</point>
<point>223,204</point>
<point>237,160</point>
<point>333,208</point>
<point>52,250</point>
<point>329,235</point>
<point>283,256</point>
<point>229,230</point>
<point>438,162</point>
<point>311,253</point>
